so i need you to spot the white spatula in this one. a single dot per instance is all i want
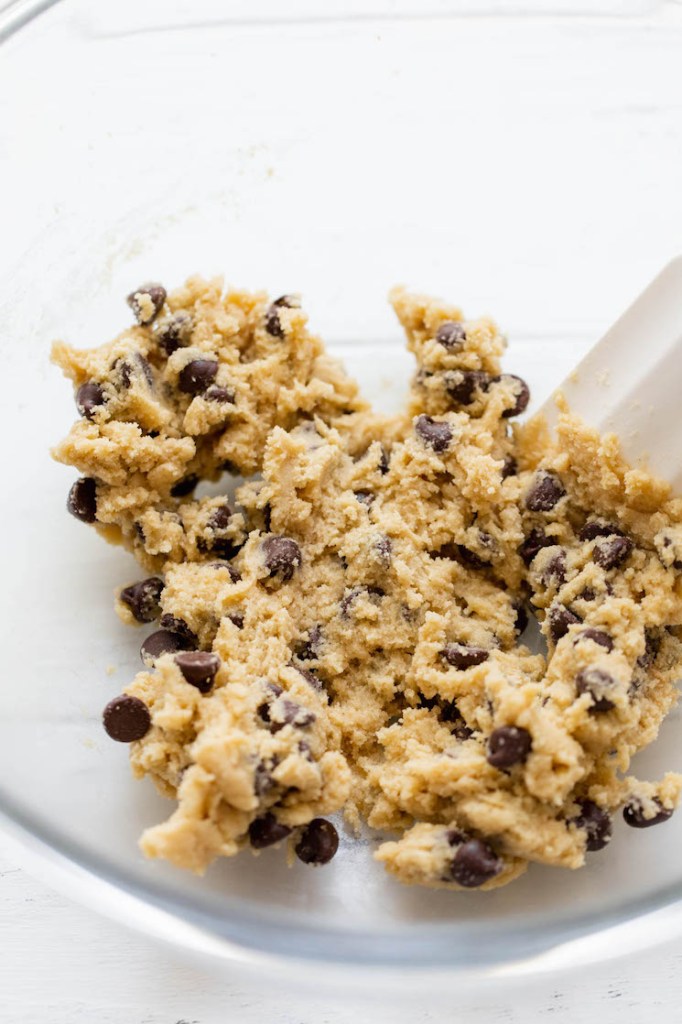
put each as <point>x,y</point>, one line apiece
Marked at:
<point>630,383</point>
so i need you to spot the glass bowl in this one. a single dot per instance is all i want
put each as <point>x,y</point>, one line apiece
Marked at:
<point>506,162</point>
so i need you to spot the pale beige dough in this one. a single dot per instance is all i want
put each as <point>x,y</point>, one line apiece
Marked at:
<point>413,535</point>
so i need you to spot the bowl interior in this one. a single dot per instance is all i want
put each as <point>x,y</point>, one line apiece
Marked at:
<point>332,156</point>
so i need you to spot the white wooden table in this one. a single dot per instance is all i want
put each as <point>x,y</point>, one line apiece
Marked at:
<point>62,964</point>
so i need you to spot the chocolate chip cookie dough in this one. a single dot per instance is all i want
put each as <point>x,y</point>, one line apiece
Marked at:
<point>348,634</point>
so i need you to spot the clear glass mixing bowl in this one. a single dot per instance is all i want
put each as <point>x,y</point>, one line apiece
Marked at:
<point>507,162</point>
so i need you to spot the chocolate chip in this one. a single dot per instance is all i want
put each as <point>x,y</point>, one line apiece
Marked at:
<point>434,433</point>
<point>143,598</point>
<point>597,684</point>
<point>180,627</point>
<point>318,842</point>
<point>124,373</point>
<point>451,335</point>
<point>295,714</point>
<point>510,467</point>
<point>350,596</point>
<point>474,864</point>
<point>235,575</point>
<point>82,500</point>
<point>545,491</point>
<point>612,551</point>
<point>534,542</point>
<point>560,619</point>
<point>594,528</point>
<point>282,556</point>
<point>462,385</point>
<point>462,656</point>
<point>555,569</point>
<point>126,719</point>
<point>161,642</point>
<point>521,622</point>
<point>652,644</point>
<point>175,332</point>
<point>237,619</point>
<point>216,393</point>
<point>587,594</point>
<point>273,322</point>
<point>597,636</point>
<point>309,677</point>
<point>198,668</point>
<point>147,302</point>
<point>633,813</point>
<point>311,649</point>
<point>267,831</point>
<point>145,369</point>
<point>184,487</point>
<point>263,781</point>
<point>596,823</point>
<point>383,466</point>
<point>508,745</point>
<point>365,497</point>
<point>520,393</point>
<point>450,714</point>
<point>197,375</point>
<point>470,558</point>
<point>384,548</point>
<point>89,398</point>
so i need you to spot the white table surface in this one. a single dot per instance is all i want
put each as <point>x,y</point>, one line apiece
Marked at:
<point>63,964</point>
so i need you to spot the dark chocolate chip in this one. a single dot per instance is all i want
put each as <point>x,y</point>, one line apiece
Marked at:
<point>451,335</point>
<point>216,393</point>
<point>383,466</point>
<point>597,684</point>
<point>89,398</point>
<point>521,622</point>
<point>596,822</point>
<point>384,549</point>
<point>185,486</point>
<point>365,497</point>
<point>309,677</point>
<point>82,500</point>
<point>198,668</point>
<point>263,781</point>
<point>633,813</point>
<point>126,719</point>
<point>612,551</point>
<point>197,376</point>
<point>470,558</point>
<point>520,392</point>
<point>267,831</point>
<point>235,575</point>
<point>349,597</point>
<point>292,713</point>
<point>597,636</point>
<point>180,627</point>
<point>175,332</point>
<point>473,864</point>
<point>462,385</point>
<point>163,641</point>
<point>434,433</point>
<point>560,619</point>
<point>125,373</point>
<point>508,745</point>
<point>145,369</point>
<point>318,842</point>
<point>273,322</point>
<point>237,619</point>
<point>594,528</point>
<point>462,656</point>
<point>450,714</point>
<point>587,594</point>
<point>143,598</point>
<point>137,302</point>
<point>536,539</point>
<point>510,467</point>
<point>652,644</point>
<point>311,648</point>
<point>545,491</point>
<point>555,569</point>
<point>282,556</point>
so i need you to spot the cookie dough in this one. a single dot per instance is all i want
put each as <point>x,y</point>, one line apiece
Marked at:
<point>347,635</point>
